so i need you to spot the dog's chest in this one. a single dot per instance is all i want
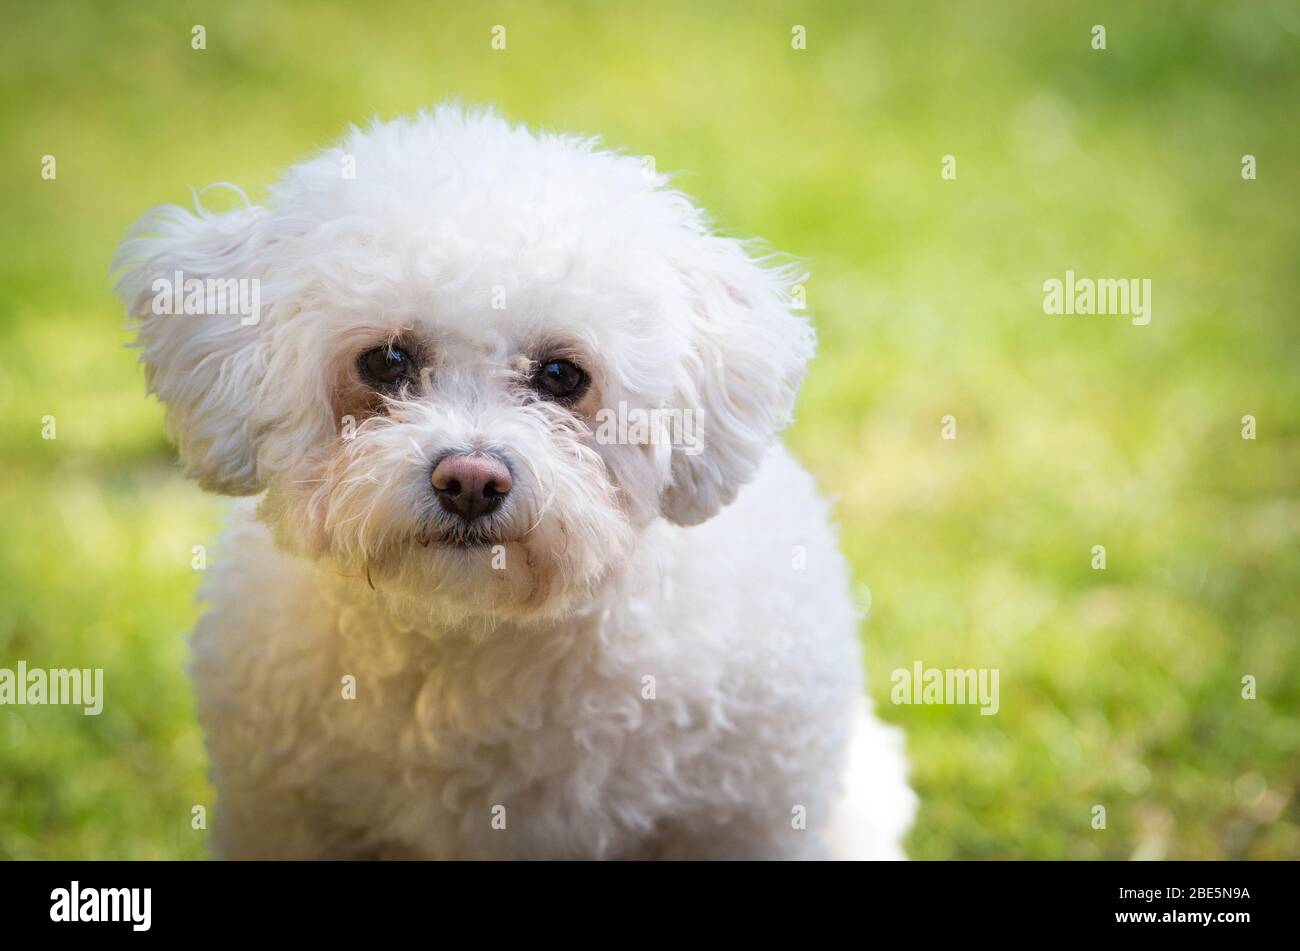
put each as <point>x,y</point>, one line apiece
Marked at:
<point>506,743</point>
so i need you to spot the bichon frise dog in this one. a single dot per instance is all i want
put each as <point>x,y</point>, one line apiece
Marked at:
<point>527,573</point>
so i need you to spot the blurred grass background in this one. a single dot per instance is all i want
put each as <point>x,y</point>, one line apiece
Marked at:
<point>1118,687</point>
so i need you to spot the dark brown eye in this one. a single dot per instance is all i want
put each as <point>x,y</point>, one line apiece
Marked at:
<point>385,367</point>
<point>560,380</point>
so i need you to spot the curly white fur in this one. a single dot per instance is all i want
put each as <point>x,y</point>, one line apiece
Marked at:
<point>626,659</point>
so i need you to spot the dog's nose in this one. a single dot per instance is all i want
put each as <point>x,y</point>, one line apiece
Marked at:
<point>471,485</point>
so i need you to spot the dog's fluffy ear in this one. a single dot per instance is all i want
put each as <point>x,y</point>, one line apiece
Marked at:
<point>205,369</point>
<point>748,353</point>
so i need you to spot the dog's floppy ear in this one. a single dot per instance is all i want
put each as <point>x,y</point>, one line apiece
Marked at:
<point>747,356</point>
<point>205,368</point>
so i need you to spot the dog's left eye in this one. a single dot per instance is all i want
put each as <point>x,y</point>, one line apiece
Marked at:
<point>560,380</point>
<point>385,366</point>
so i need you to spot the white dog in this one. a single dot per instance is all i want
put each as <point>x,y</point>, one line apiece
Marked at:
<point>527,574</point>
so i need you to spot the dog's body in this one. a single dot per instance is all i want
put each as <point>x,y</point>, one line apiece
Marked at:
<point>549,740</point>
<point>459,622</point>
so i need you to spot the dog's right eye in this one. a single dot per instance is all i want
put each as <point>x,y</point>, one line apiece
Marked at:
<point>385,366</point>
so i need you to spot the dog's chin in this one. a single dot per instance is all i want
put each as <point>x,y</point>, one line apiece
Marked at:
<point>463,573</point>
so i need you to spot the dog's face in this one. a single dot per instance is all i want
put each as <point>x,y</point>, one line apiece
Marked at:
<point>482,361</point>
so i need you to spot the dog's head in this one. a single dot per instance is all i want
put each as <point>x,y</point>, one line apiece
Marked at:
<point>468,361</point>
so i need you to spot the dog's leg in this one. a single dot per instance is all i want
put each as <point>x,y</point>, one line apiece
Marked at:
<point>876,805</point>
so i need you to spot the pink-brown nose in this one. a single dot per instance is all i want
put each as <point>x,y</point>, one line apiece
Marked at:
<point>471,486</point>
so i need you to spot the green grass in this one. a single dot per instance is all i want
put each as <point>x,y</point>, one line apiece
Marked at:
<point>1118,687</point>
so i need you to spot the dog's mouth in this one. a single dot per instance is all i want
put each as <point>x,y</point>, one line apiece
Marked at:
<point>458,537</point>
<point>463,544</point>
